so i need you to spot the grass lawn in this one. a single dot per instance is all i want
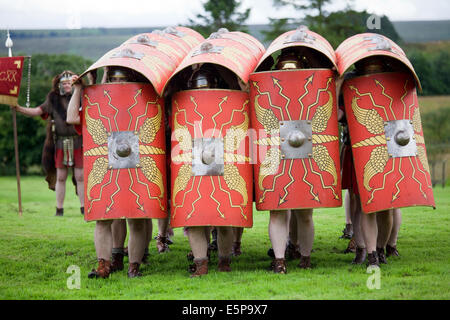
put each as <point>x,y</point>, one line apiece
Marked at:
<point>37,249</point>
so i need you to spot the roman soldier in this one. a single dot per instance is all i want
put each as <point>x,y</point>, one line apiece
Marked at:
<point>294,114</point>
<point>211,170</point>
<point>63,146</point>
<point>390,167</point>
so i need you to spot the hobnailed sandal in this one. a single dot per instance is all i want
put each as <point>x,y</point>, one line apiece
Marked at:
<point>103,269</point>
<point>279,266</point>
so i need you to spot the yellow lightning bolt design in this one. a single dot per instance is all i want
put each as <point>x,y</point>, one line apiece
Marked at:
<point>224,99</point>
<point>387,96</point>
<point>317,97</point>
<point>273,183</point>
<point>384,182</point>
<point>144,114</point>
<point>201,116</point>
<point>184,111</point>
<point>321,180</point>
<point>195,201</point>
<point>231,202</point>
<point>280,92</point>
<point>148,189</point>
<point>106,93</point>
<point>101,191</point>
<point>395,196</point>
<point>415,179</point>
<point>403,97</point>
<point>138,92</point>
<point>232,115</point>
<point>184,197</point>
<point>214,199</point>
<point>311,187</point>
<point>140,206</point>
<point>283,199</point>
<point>310,79</point>
<point>108,208</point>
<point>98,108</point>
<point>371,98</point>
<point>424,173</point>
<point>255,84</point>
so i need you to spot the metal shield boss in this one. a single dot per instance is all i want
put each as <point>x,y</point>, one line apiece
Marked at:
<point>211,173</point>
<point>124,152</point>
<point>387,141</point>
<point>294,117</point>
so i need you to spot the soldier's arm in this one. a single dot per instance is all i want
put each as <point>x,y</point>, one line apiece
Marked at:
<point>32,112</point>
<point>73,113</point>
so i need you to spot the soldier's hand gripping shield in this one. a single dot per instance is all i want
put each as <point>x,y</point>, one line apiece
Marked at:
<point>384,123</point>
<point>211,172</point>
<point>123,130</point>
<point>294,115</point>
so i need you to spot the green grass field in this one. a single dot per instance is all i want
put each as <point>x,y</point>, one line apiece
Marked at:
<point>37,249</point>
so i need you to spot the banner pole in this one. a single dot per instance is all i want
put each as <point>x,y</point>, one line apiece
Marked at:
<point>9,45</point>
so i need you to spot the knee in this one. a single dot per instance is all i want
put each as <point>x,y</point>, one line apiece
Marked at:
<point>79,177</point>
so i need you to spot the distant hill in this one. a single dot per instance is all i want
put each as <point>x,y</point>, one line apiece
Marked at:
<point>423,31</point>
<point>93,43</point>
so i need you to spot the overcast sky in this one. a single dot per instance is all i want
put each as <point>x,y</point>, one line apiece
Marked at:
<point>52,14</point>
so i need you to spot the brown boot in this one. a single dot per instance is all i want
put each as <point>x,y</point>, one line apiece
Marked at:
<point>292,251</point>
<point>162,244</point>
<point>103,269</point>
<point>381,255</point>
<point>117,261</point>
<point>360,255</point>
<point>373,259</point>
<point>201,267</point>
<point>279,266</point>
<point>391,251</point>
<point>351,247</point>
<point>224,264</point>
<point>133,270</point>
<point>237,248</point>
<point>59,212</point>
<point>305,262</point>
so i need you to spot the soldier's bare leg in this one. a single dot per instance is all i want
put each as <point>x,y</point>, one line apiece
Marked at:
<point>369,229</point>
<point>148,238</point>
<point>293,225</point>
<point>161,243</point>
<point>237,237</point>
<point>60,186</point>
<point>136,241</point>
<point>199,245</point>
<point>391,247</point>
<point>197,240</point>
<point>356,213</point>
<point>103,239</point>
<point>119,233</point>
<point>224,247</point>
<point>103,247</point>
<point>136,245</point>
<point>278,232</point>
<point>305,231</point>
<point>384,221</point>
<point>79,177</point>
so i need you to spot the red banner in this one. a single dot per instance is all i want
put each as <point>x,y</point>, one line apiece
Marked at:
<point>10,78</point>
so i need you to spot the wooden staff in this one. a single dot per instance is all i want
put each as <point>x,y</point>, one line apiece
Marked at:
<point>9,45</point>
